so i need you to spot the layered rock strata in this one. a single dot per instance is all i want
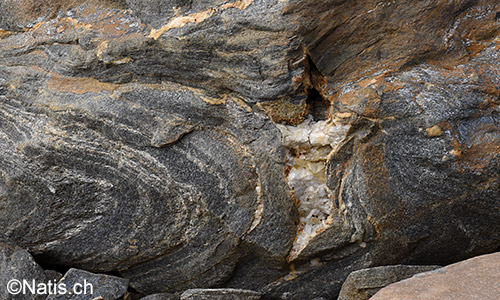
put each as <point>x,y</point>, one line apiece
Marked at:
<point>256,144</point>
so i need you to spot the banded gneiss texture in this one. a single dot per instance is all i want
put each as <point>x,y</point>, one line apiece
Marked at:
<point>153,138</point>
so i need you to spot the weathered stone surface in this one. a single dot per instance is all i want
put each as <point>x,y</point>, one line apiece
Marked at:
<point>162,296</point>
<point>387,168</point>
<point>53,276</point>
<point>349,40</point>
<point>146,131</point>
<point>17,264</point>
<point>154,178</point>
<point>475,278</point>
<point>402,195</point>
<point>362,284</point>
<point>215,188</point>
<point>201,45</point>
<point>90,286</point>
<point>220,294</point>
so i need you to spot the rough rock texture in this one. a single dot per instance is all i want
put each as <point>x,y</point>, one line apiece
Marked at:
<point>362,284</point>
<point>152,177</point>
<point>220,294</point>
<point>17,264</point>
<point>162,296</point>
<point>90,286</point>
<point>141,137</point>
<point>53,276</point>
<point>475,278</point>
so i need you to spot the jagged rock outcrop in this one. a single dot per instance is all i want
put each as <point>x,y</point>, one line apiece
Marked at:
<point>258,144</point>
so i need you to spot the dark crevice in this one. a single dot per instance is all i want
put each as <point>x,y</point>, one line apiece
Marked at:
<point>316,103</point>
<point>134,295</point>
<point>46,265</point>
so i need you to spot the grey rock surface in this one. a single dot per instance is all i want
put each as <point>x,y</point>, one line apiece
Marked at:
<point>402,186</point>
<point>17,264</point>
<point>220,294</point>
<point>83,285</point>
<point>53,275</point>
<point>141,137</point>
<point>154,178</point>
<point>162,296</point>
<point>363,284</point>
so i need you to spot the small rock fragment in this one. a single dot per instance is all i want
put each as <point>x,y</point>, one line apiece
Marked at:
<point>220,294</point>
<point>91,286</point>
<point>362,284</point>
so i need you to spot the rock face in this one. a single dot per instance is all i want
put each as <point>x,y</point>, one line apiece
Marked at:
<point>90,286</point>
<point>259,144</point>
<point>475,278</point>
<point>362,284</point>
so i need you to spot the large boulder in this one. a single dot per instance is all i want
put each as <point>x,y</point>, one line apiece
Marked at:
<point>259,144</point>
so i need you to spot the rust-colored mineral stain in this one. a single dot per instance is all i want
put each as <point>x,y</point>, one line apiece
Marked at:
<point>5,33</point>
<point>475,48</point>
<point>75,23</point>
<point>377,177</point>
<point>347,99</point>
<point>80,85</point>
<point>283,111</point>
<point>478,151</point>
<point>479,156</point>
<point>372,104</point>
<point>366,92</point>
